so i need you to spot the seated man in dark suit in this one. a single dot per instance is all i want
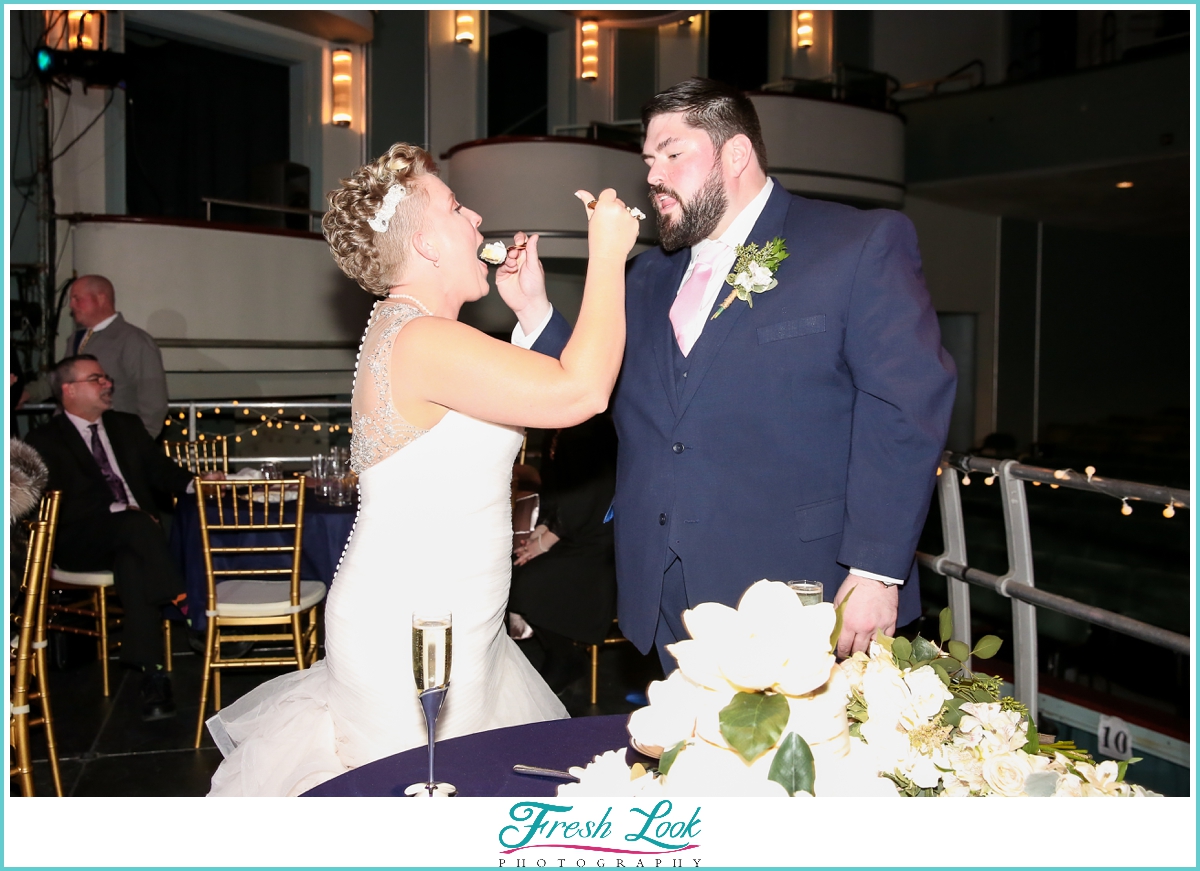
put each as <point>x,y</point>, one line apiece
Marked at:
<point>110,473</point>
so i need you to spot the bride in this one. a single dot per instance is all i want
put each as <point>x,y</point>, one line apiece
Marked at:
<point>436,410</point>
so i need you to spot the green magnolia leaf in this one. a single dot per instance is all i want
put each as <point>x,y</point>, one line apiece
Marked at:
<point>901,648</point>
<point>982,696</point>
<point>837,622</point>
<point>951,712</point>
<point>1032,743</point>
<point>753,722</point>
<point>792,766</point>
<point>668,758</point>
<point>945,625</point>
<point>940,669</point>
<point>958,650</point>
<point>923,650</point>
<point>884,641</point>
<point>986,647</point>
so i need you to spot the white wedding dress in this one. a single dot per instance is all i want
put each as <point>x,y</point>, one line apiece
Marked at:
<point>433,536</point>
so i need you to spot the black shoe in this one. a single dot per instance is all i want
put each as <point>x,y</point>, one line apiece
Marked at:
<point>157,700</point>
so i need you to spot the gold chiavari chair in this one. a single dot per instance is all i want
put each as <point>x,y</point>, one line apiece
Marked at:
<point>27,657</point>
<point>198,457</point>
<point>244,598</point>
<point>614,637</point>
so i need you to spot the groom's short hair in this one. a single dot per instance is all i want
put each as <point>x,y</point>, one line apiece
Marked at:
<point>718,109</point>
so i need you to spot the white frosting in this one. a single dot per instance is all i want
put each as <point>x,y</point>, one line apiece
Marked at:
<point>494,253</point>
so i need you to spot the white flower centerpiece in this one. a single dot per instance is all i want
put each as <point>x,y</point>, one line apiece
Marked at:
<point>756,707</point>
<point>759,707</point>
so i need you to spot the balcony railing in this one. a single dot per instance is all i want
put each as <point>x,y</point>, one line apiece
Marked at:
<point>1017,583</point>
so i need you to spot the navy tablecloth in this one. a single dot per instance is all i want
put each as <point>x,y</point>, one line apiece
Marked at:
<point>326,529</point>
<point>481,764</point>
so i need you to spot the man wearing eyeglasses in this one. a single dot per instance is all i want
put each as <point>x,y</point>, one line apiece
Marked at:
<point>126,352</point>
<point>111,473</point>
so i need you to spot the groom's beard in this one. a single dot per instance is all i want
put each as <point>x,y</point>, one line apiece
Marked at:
<point>697,219</point>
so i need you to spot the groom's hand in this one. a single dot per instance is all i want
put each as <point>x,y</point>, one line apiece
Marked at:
<point>521,281</point>
<point>873,606</point>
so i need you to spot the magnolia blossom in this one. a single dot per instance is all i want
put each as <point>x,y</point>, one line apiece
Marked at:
<point>606,775</point>
<point>675,705</point>
<point>702,769</point>
<point>770,642</point>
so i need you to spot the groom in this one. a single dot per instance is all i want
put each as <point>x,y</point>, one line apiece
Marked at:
<point>795,439</point>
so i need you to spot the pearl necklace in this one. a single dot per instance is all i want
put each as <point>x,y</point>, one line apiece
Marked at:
<point>412,299</point>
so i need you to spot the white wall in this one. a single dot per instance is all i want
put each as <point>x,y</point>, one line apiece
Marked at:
<point>196,283</point>
<point>454,84</point>
<point>959,254</point>
<point>680,51</point>
<point>916,46</point>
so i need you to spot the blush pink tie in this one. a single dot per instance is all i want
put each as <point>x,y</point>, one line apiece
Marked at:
<point>686,319</point>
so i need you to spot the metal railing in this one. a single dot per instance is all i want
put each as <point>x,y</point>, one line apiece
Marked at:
<point>209,202</point>
<point>1017,583</point>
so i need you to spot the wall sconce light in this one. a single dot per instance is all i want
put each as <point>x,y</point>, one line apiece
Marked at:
<point>464,27</point>
<point>804,29</point>
<point>75,29</point>
<point>342,80</point>
<point>589,49</point>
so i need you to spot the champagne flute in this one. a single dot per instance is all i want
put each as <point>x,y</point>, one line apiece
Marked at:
<point>431,654</point>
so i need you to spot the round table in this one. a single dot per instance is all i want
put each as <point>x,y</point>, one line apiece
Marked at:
<point>481,764</point>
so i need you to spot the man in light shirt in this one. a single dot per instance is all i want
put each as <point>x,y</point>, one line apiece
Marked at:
<point>795,439</point>
<point>126,352</point>
<point>110,473</point>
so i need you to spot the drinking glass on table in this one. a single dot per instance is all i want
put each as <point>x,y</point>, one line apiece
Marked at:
<point>431,654</point>
<point>337,471</point>
<point>319,473</point>
<point>810,592</point>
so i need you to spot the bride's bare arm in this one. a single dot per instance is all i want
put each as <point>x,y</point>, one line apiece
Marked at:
<point>456,366</point>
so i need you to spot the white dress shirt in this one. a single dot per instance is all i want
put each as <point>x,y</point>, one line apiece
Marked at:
<point>84,427</point>
<point>734,236</point>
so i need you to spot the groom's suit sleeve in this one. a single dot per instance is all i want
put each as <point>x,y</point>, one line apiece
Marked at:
<point>904,390</point>
<point>554,336</point>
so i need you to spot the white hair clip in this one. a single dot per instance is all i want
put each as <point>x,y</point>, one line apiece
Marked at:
<point>379,223</point>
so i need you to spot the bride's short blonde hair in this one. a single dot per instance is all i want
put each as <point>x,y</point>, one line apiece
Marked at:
<point>376,260</point>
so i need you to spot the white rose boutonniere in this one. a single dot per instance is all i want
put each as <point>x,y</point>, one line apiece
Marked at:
<point>753,272</point>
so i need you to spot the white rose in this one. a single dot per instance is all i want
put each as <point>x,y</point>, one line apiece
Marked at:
<point>1006,774</point>
<point>927,692</point>
<point>742,280</point>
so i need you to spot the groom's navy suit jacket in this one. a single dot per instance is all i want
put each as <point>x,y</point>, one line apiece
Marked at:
<point>805,435</point>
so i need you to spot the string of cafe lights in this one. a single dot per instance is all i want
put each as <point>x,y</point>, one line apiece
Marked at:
<point>250,428</point>
<point>1065,474</point>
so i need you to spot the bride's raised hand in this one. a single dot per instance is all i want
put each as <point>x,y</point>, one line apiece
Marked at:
<point>612,228</point>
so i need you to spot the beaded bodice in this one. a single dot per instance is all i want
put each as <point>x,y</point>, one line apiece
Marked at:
<point>379,430</point>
